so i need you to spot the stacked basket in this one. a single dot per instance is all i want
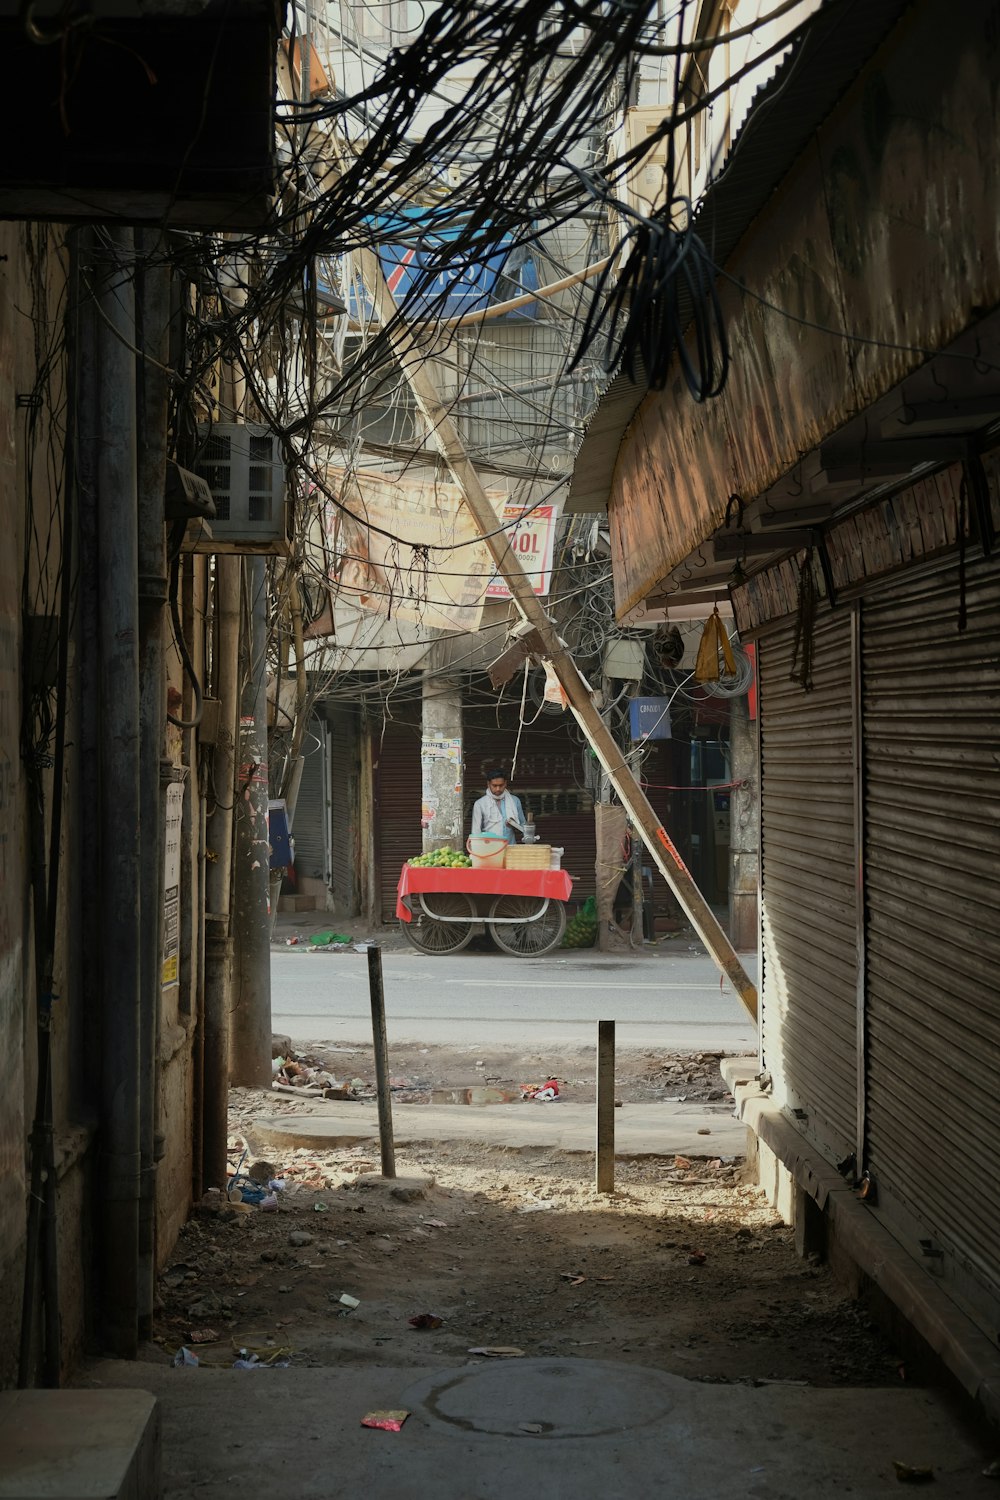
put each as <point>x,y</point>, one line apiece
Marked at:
<point>529,857</point>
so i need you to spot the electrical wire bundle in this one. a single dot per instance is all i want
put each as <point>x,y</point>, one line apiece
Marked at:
<point>667,280</point>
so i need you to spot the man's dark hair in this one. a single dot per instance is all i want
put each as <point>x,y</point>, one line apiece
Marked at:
<point>496,775</point>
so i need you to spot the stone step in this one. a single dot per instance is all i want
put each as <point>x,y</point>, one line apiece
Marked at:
<point>79,1445</point>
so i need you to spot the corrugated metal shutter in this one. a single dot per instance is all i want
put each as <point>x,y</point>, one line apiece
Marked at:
<point>932,885</point>
<point>808,883</point>
<point>396,756</point>
<point>311,822</point>
<point>345,857</point>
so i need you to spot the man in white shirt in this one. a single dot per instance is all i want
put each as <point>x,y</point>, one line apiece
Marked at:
<point>498,813</point>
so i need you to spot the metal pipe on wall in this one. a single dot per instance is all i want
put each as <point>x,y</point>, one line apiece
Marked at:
<point>153,315</point>
<point>120,810</point>
<point>219,874</point>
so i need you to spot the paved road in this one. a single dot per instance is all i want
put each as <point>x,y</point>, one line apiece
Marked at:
<point>658,999</point>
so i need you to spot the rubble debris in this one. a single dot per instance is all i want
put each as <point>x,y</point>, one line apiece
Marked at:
<point>498,1351</point>
<point>912,1473</point>
<point>541,1092</point>
<point>426,1320</point>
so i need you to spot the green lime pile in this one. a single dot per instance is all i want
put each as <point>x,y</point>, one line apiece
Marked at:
<point>582,930</point>
<point>442,859</point>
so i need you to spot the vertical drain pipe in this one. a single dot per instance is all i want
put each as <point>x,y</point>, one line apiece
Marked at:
<point>153,308</point>
<point>118,764</point>
<point>219,875</point>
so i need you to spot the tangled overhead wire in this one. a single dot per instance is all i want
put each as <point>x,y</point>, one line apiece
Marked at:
<point>667,282</point>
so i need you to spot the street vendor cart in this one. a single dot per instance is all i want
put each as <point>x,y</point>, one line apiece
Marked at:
<point>524,910</point>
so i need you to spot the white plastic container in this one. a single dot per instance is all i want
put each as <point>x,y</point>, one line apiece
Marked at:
<point>487,851</point>
<point>555,862</point>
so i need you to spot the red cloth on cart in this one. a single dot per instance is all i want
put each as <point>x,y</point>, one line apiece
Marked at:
<point>557,885</point>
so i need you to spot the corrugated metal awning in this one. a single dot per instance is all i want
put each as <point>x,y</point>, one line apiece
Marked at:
<point>789,108</point>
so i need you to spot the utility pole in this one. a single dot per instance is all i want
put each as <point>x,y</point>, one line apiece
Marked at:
<point>250,1027</point>
<point>542,637</point>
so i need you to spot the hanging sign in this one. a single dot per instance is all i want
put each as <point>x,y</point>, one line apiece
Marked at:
<point>650,718</point>
<point>531,531</point>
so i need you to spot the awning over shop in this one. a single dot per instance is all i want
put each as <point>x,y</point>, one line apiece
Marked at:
<point>853,240</point>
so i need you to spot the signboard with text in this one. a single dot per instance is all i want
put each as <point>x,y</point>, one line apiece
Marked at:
<point>650,718</point>
<point>531,534</point>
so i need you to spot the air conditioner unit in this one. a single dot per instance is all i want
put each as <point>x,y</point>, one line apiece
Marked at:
<point>242,465</point>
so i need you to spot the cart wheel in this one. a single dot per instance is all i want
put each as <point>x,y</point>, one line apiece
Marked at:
<point>529,938</point>
<point>442,937</point>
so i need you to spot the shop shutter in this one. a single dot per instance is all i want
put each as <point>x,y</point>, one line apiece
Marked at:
<point>931,704</point>
<point>808,883</point>
<point>310,824</point>
<point>398,836</point>
<point>345,856</point>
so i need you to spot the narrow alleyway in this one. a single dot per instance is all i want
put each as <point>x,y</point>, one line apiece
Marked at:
<point>672,1319</point>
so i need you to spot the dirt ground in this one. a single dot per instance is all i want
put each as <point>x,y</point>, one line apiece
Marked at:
<point>419,1072</point>
<point>684,1268</point>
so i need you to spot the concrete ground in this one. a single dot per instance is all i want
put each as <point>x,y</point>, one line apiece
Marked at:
<point>662,1129</point>
<point>561,1429</point>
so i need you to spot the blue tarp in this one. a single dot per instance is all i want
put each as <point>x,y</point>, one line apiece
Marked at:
<point>427,283</point>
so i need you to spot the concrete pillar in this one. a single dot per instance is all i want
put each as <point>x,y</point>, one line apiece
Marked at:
<point>744,829</point>
<point>611,823</point>
<point>441,764</point>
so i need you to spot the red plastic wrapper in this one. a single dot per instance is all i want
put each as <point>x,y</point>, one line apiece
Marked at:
<point>388,1421</point>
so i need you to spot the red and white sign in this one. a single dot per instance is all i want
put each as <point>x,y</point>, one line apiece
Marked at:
<point>531,531</point>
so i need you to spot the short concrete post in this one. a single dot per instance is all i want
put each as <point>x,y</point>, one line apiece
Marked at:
<point>605,1106</point>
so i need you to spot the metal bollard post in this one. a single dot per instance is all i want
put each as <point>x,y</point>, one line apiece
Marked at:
<point>381,1062</point>
<point>605,1106</point>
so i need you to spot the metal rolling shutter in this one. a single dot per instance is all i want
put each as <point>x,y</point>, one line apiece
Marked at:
<point>345,856</point>
<point>808,883</point>
<point>932,886</point>
<point>398,835</point>
<point>310,826</point>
